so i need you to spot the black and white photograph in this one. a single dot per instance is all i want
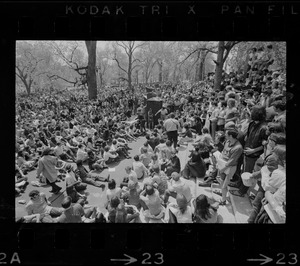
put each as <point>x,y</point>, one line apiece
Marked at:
<point>150,131</point>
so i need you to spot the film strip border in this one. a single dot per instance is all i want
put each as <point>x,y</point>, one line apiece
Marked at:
<point>261,20</point>
<point>177,244</point>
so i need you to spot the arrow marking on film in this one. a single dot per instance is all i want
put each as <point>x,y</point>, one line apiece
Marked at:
<point>128,260</point>
<point>264,260</point>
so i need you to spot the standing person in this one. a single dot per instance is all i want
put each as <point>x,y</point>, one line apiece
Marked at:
<point>231,154</point>
<point>221,116</point>
<point>254,139</point>
<point>214,119</point>
<point>150,119</point>
<point>172,125</point>
<point>46,167</point>
<point>163,113</point>
<point>231,111</point>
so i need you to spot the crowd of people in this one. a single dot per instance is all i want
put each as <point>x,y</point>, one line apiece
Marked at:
<point>236,130</point>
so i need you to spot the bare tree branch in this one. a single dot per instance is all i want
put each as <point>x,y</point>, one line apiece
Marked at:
<point>123,45</point>
<point>135,67</point>
<point>118,63</point>
<point>137,46</point>
<point>136,60</point>
<point>59,77</point>
<point>196,50</point>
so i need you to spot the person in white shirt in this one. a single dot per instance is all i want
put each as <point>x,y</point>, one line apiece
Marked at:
<point>131,176</point>
<point>172,125</point>
<point>108,156</point>
<point>278,176</point>
<point>145,157</point>
<point>121,151</point>
<point>71,189</point>
<point>147,146</point>
<point>81,153</point>
<point>160,148</point>
<point>90,131</point>
<point>178,186</point>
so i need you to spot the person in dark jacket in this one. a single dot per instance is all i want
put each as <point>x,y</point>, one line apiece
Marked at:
<point>174,164</point>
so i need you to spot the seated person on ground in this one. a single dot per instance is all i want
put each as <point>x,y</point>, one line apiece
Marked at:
<point>139,168</point>
<point>186,136</point>
<point>205,212</point>
<point>38,203</point>
<point>178,186</point>
<point>113,190</point>
<point>181,210</point>
<point>81,153</point>
<point>108,156</point>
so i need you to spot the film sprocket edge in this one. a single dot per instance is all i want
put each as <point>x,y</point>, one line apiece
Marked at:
<point>124,244</point>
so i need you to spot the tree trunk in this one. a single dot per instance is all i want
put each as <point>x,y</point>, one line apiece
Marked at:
<point>28,88</point>
<point>196,79</point>
<point>100,78</point>
<point>219,66</point>
<point>201,66</point>
<point>160,71</point>
<point>246,66</point>
<point>129,73</point>
<point>91,73</point>
<point>137,76</point>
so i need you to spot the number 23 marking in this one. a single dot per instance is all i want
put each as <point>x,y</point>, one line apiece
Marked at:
<point>159,257</point>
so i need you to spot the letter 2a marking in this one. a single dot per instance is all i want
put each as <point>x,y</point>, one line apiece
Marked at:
<point>14,258</point>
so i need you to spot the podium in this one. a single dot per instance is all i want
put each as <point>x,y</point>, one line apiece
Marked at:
<point>155,103</point>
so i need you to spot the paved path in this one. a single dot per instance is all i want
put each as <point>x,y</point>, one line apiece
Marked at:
<point>96,196</point>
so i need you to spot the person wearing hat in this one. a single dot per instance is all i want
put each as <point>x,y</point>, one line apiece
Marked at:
<point>46,167</point>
